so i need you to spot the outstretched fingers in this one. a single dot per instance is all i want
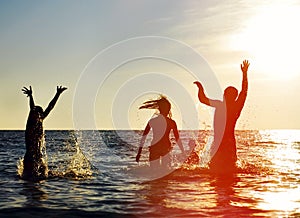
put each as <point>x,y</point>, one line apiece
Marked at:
<point>244,66</point>
<point>27,91</point>
<point>246,63</point>
<point>60,89</point>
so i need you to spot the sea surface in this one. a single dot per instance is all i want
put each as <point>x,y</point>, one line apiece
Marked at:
<point>98,177</point>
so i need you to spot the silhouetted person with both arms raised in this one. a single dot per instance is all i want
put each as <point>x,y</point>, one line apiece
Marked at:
<point>226,114</point>
<point>35,165</point>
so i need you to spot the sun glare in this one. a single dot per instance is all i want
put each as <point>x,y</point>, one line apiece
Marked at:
<point>272,38</point>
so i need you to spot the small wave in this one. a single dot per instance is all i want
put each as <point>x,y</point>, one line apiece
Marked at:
<point>190,172</point>
<point>296,145</point>
<point>267,143</point>
<point>255,169</point>
<point>53,212</point>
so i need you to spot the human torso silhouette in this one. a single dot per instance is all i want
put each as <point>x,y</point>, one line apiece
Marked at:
<point>161,127</point>
<point>35,163</point>
<point>225,119</point>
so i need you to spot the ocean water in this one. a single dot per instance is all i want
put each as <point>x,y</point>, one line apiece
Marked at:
<point>96,178</point>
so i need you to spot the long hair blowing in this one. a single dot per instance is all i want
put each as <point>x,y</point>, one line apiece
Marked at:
<point>162,104</point>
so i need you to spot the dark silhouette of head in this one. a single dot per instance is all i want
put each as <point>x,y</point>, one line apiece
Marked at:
<point>162,104</point>
<point>230,94</point>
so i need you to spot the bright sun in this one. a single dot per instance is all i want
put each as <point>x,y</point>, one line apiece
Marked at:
<point>272,38</point>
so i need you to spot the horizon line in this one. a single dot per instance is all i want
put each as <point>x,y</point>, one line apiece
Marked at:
<point>121,129</point>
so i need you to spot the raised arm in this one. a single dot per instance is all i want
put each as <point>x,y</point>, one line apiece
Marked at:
<point>243,94</point>
<point>145,133</point>
<point>203,98</point>
<point>52,103</point>
<point>28,92</point>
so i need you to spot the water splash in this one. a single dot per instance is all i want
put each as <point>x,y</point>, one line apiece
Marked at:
<point>71,164</point>
<point>20,167</point>
<point>79,166</point>
<point>245,167</point>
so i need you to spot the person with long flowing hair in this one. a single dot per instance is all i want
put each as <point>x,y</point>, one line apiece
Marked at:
<point>161,125</point>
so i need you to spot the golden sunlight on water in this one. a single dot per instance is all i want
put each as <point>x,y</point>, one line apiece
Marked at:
<point>285,200</point>
<point>194,198</point>
<point>267,184</point>
<point>271,184</point>
<point>284,155</point>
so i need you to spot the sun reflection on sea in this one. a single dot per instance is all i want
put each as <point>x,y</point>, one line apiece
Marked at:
<point>281,193</point>
<point>285,200</point>
<point>284,155</point>
<point>188,197</point>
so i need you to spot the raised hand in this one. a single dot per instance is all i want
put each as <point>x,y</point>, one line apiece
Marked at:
<point>198,84</point>
<point>27,91</point>
<point>244,66</point>
<point>60,89</point>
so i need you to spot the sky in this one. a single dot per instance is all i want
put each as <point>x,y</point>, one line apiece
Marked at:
<point>113,55</point>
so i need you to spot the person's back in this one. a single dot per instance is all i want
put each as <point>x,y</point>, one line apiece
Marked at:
<point>161,127</point>
<point>34,127</point>
<point>226,117</point>
<point>34,166</point>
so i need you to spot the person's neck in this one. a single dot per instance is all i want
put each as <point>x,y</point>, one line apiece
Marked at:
<point>164,115</point>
